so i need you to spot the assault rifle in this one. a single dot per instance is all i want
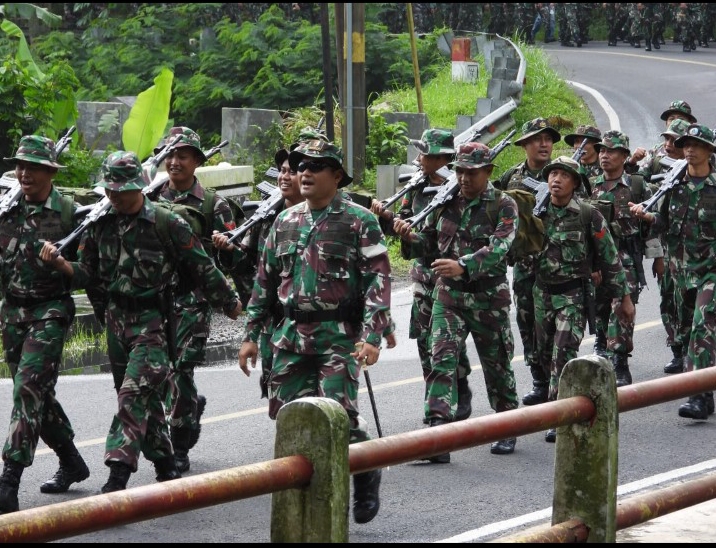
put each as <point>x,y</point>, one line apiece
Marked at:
<point>103,206</point>
<point>671,179</point>
<point>450,188</point>
<point>577,156</point>
<point>14,193</point>
<point>266,209</point>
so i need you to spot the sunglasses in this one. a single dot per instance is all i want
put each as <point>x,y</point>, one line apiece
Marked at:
<point>313,166</point>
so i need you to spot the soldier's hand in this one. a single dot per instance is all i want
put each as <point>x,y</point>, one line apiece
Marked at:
<point>626,311</point>
<point>597,278</point>
<point>249,351</point>
<point>366,353</point>
<point>404,229</point>
<point>233,314</point>
<point>49,254</point>
<point>221,241</point>
<point>657,268</point>
<point>390,340</point>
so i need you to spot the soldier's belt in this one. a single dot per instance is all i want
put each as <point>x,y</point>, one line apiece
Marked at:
<point>558,289</point>
<point>475,286</point>
<point>312,316</point>
<point>27,302</point>
<point>135,304</point>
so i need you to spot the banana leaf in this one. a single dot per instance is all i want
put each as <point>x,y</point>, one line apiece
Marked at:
<point>148,118</point>
<point>23,54</point>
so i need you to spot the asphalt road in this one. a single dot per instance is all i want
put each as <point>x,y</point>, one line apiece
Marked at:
<point>478,496</point>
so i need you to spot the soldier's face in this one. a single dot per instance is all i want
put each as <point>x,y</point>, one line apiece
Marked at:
<point>319,181</point>
<point>697,153</point>
<point>181,165</point>
<point>473,182</point>
<point>289,183</point>
<point>126,202</point>
<point>561,186</point>
<point>612,160</point>
<point>35,180</point>
<point>430,163</point>
<point>538,148</point>
<point>670,149</point>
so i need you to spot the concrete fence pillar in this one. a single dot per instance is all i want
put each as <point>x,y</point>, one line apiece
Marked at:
<point>585,468</point>
<point>316,428</point>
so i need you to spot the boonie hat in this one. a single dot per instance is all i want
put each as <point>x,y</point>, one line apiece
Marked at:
<point>435,141</point>
<point>533,127</point>
<point>676,128</point>
<point>37,150</point>
<point>189,138</point>
<point>319,148</point>
<point>472,156</point>
<point>588,132</point>
<point>698,132</point>
<point>679,107</point>
<point>613,139</point>
<point>567,164</point>
<point>122,171</point>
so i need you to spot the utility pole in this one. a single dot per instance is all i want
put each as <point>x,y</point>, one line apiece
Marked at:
<point>327,72</point>
<point>414,50</point>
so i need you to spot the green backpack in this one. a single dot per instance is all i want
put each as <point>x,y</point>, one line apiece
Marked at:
<point>191,215</point>
<point>530,237</point>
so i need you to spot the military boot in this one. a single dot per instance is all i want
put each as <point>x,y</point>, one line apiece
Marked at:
<point>709,396</point>
<point>366,499</point>
<point>200,406</point>
<point>540,387</point>
<point>180,441</point>
<point>694,408</point>
<point>119,474</point>
<point>621,369</point>
<point>9,485</point>
<point>444,458</point>
<point>166,469</point>
<point>464,400</point>
<point>600,344</point>
<point>647,45</point>
<point>676,365</point>
<point>73,469</point>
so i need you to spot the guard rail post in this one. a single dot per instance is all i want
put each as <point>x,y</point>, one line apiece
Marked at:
<point>316,428</point>
<point>585,469</point>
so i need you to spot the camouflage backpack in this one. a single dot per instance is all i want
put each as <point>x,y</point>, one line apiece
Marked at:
<point>530,237</point>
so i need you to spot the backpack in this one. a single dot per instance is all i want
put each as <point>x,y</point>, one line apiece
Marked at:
<point>207,208</point>
<point>530,237</point>
<point>196,219</point>
<point>606,207</point>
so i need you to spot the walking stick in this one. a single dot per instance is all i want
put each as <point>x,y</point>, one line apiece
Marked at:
<point>369,386</point>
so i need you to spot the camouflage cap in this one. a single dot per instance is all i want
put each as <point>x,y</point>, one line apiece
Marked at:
<point>613,139</point>
<point>320,148</point>
<point>697,132</point>
<point>679,107</point>
<point>534,127</point>
<point>309,133</point>
<point>472,156</point>
<point>676,128</point>
<point>589,132</point>
<point>189,138</point>
<point>570,166</point>
<point>435,141</point>
<point>122,171</point>
<point>37,150</point>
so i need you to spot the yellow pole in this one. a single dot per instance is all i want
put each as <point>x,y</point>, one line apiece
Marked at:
<point>414,49</point>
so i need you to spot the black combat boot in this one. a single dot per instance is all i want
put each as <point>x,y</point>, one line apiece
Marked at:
<point>445,457</point>
<point>600,344</point>
<point>551,435</point>
<point>621,369</point>
<point>9,485</point>
<point>180,441</point>
<point>540,387</point>
<point>166,469</point>
<point>366,498</point>
<point>119,473</point>
<point>200,406</point>
<point>709,396</point>
<point>73,469</point>
<point>503,447</point>
<point>676,365</point>
<point>464,400</point>
<point>647,45</point>
<point>687,48</point>
<point>694,408</point>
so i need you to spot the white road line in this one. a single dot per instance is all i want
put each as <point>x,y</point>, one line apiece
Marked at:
<point>610,112</point>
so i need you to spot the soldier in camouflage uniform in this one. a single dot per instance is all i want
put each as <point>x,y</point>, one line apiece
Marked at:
<point>472,294</point>
<point>687,218</point>
<point>589,162</point>
<point>184,406</point>
<point>686,25</point>
<point>637,25</point>
<point>616,15</point>
<point>538,139</point>
<point>564,270</point>
<point>436,151</point>
<point>326,264</point>
<point>544,16</point>
<point>616,186</point>
<point>124,254</point>
<point>524,16</point>
<point>36,313</point>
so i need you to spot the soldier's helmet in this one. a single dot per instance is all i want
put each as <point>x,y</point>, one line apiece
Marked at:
<point>319,148</point>
<point>566,163</point>
<point>122,171</point>
<point>534,127</point>
<point>588,132</point>
<point>187,138</point>
<point>676,128</point>
<point>435,141</point>
<point>699,133</point>
<point>472,156</point>
<point>37,150</point>
<point>613,139</point>
<point>679,107</point>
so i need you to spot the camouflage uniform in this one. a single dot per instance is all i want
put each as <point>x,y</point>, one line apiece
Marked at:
<point>686,25</point>
<point>616,14</point>
<point>432,142</point>
<point>563,276</point>
<point>478,303</point>
<point>620,335</point>
<point>523,271</point>
<point>184,406</point>
<point>569,25</point>
<point>125,255</point>
<point>637,25</point>
<point>524,15</point>
<point>36,313</point>
<point>687,218</point>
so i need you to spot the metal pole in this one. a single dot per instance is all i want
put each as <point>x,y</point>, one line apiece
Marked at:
<point>349,89</point>
<point>414,50</point>
<point>369,386</point>
<point>327,72</point>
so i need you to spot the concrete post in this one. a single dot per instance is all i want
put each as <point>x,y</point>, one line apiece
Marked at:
<point>316,428</point>
<point>585,469</point>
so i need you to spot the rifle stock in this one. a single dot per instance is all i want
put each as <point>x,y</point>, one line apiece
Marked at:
<point>671,179</point>
<point>577,156</point>
<point>267,209</point>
